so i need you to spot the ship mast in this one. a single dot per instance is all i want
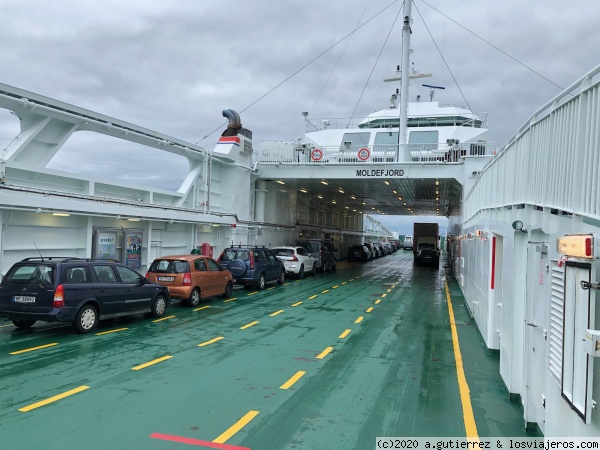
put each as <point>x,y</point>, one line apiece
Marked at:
<point>404,154</point>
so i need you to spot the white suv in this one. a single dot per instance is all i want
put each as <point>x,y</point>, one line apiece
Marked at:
<point>296,260</point>
<point>408,243</point>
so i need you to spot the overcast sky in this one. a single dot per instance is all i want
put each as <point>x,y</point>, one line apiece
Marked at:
<point>173,66</point>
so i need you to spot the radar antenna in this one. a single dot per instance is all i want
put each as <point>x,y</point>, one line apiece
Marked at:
<point>432,89</point>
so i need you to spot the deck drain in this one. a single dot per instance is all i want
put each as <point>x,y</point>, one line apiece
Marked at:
<point>460,322</point>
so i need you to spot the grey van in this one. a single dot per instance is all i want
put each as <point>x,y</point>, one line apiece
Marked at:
<point>322,250</point>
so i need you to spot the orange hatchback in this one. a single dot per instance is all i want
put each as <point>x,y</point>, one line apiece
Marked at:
<point>191,277</point>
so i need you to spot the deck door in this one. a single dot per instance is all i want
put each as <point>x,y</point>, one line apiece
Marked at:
<point>535,348</point>
<point>577,366</point>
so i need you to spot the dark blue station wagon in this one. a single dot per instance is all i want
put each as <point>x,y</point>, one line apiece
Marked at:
<point>75,290</point>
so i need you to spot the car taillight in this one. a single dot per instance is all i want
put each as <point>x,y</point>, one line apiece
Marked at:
<point>59,297</point>
<point>147,274</point>
<point>251,261</point>
<point>295,258</point>
<point>187,279</point>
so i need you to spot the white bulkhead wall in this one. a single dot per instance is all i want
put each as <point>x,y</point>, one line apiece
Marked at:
<point>230,191</point>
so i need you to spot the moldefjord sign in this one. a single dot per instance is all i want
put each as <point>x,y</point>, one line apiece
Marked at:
<point>380,173</point>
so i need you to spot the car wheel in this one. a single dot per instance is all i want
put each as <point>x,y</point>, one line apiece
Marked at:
<point>23,323</point>
<point>281,279</point>
<point>314,269</point>
<point>301,272</point>
<point>194,297</point>
<point>260,285</point>
<point>228,289</point>
<point>86,319</point>
<point>159,306</point>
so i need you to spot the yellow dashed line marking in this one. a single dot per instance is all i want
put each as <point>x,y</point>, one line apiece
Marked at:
<point>285,284</point>
<point>204,307</point>
<point>212,341</point>
<point>9,325</point>
<point>289,383</point>
<point>370,309</point>
<point>359,320</point>
<point>163,318</point>
<point>229,300</point>
<point>325,291</point>
<point>276,312</point>
<point>297,303</point>
<point>389,290</point>
<point>297,281</point>
<point>378,301</point>
<point>343,282</point>
<point>334,287</point>
<point>393,286</point>
<point>112,331</point>
<point>384,295</point>
<point>236,427</point>
<point>345,333</point>
<point>268,289</point>
<point>324,353</point>
<point>33,349</point>
<point>248,325</point>
<point>312,296</point>
<point>253,293</point>
<point>53,399</point>
<point>151,363</point>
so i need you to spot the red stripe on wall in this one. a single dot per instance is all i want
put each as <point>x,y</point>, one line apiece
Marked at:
<point>493,262</point>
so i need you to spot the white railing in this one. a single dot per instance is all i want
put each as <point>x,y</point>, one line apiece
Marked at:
<point>305,154</point>
<point>552,161</point>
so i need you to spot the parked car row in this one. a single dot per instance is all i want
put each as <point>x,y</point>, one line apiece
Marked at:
<point>84,291</point>
<point>370,250</point>
<point>254,266</point>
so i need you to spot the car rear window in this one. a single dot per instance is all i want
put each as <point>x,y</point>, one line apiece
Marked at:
<point>283,251</point>
<point>31,273</point>
<point>235,253</point>
<point>169,266</point>
<point>310,246</point>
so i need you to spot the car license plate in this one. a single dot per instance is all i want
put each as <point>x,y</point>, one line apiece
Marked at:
<point>23,299</point>
<point>165,278</point>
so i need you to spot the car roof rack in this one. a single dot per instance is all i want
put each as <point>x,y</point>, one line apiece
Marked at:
<point>48,258</point>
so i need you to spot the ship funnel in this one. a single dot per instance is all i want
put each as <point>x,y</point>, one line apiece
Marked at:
<point>234,118</point>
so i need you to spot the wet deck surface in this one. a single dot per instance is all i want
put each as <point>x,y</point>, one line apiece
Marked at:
<point>391,373</point>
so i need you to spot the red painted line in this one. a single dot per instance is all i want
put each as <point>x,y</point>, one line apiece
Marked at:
<point>493,261</point>
<point>196,442</point>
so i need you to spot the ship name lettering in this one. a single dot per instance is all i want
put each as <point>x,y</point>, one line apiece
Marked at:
<point>379,172</point>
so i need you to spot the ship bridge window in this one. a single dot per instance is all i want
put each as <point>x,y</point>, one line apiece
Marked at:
<point>355,141</point>
<point>387,138</point>
<point>423,140</point>
<point>385,146</point>
<point>381,123</point>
